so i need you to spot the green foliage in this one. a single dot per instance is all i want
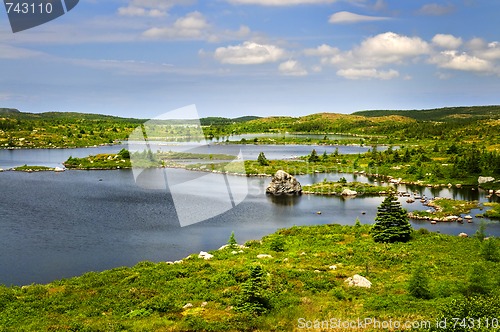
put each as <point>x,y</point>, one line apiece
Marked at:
<point>232,243</point>
<point>313,157</point>
<point>262,160</point>
<point>418,285</point>
<point>465,314</point>
<point>277,244</point>
<point>391,223</point>
<point>489,250</point>
<point>253,299</point>
<point>481,231</point>
<point>477,280</point>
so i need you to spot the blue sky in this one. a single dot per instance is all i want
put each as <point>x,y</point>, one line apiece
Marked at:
<point>142,58</point>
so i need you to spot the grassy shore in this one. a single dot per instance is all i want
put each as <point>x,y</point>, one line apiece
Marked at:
<point>302,278</point>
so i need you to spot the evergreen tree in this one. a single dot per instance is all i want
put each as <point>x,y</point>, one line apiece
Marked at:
<point>313,157</point>
<point>262,160</point>
<point>253,298</point>
<point>232,241</point>
<point>391,223</point>
<point>418,285</point>
<point>489,250</point>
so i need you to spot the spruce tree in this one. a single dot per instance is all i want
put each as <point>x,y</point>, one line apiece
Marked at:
<point>418,284</point>
<point>391,223</point>
<point>262,160</point>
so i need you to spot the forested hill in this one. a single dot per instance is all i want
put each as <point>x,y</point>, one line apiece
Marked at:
<point>446,114</point>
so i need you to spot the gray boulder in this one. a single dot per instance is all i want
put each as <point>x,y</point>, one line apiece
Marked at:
<point>284,183</point>
<point>485,179</point>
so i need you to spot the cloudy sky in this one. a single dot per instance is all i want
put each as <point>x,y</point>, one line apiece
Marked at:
<point>141,58</point>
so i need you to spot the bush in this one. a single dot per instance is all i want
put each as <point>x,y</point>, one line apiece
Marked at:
<point>277,244</point>
<point>477,280</point>
<point>262,160</point>
<point>253,299</point>
<point>489,250</point>
<point>461,312</point>
<point>418,286</point>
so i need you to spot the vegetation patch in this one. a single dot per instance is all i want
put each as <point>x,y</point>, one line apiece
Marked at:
<point>337,188</point>
<point>445,209</point>
<point>430,276</point>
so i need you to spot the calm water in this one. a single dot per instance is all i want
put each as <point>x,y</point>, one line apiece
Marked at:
<point>56,225</point>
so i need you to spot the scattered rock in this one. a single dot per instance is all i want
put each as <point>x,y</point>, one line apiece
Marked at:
<point>463,235</point>
<point>349,192</point>
<point>497,192</point>
<point>205,255</point>
<point>333,267</point>
<point>236,246</point>
<point>187,306</point>
<point>286,260</point>
<point>485,179</point>
<point>204,304</point>
<point>284,183</point>
<point>179,262</point>
<point>468,217</point>
<point>261,256</point>
<point>458,185</point>
<point>319,212</point>
<point>358,281</point>
<point>317,271</point>
<point>302,254</point>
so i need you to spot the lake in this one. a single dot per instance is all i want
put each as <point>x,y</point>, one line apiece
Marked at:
<point>58,225</point>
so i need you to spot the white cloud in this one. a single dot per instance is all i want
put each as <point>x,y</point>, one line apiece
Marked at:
<point>390,47</point>
<point>322,50</point>
<point>435,9</point>
<point>192,26</point>
<point>449,42</point>
<point>280,2</point>
<point>356,74</point>
<point>461,61</point>
<point>150,8</point>
<point>292,68</point>
<point>347,17</point>
<point>249,53</point>
<point>16,53</point>
<point>365,60</point>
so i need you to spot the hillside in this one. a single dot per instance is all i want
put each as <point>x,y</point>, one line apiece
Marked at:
<point>441,114</point>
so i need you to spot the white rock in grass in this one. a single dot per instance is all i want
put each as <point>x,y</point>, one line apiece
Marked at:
<point>205,255</point>
<point>358,281</point>
<point>261,256</point>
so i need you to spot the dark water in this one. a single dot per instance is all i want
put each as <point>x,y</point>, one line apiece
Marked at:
<point>56,225</point>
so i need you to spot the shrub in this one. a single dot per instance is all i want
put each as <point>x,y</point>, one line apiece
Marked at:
<point>277,244</point>
<point>477,280</point>
<point>232,241</point>
<point>253,299</point>
<point>418,286</point>
<point>489,250</point>
<point>262,160</point>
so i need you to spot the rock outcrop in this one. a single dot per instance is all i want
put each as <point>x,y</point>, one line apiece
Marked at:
<point>358,281</point>
<point>349,192</point>
<point>284,183</point>
<point>485,179</point>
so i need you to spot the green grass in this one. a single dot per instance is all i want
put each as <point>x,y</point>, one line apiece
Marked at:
<point>445,207</point>
<point>100,161</point>
<point>494,212</point>
<point>298,284</point>
<point>336,188</point>
<point>28,168</point>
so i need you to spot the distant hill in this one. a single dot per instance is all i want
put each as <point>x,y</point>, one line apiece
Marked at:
<point>441,114</point>
<point>214,121</point>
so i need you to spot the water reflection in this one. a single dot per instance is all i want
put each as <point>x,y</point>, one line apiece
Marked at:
<point>284,200</point>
